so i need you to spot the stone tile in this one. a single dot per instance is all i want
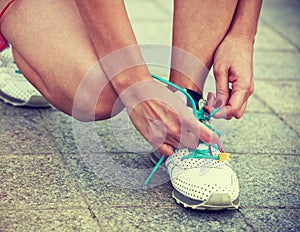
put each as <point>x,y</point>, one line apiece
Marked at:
<point>37,182</point>
<point>166,5</point>
<point>268,180</point>
<point>273,219</point>
<point>2,109</point>
<point>156,33</point>
<point>72,136</point>
<point>293,121</point>
<point>260,133</point>
<point>161,71</point>
<point>265,180</point>
<point>61,128</point>
<point>8,192</point>
<point>47,220</point>
<point>268,39</point>
<point>22,131</point>
<point>118,180</point>
<point>281,96</point>
<point>146,11</point>
<point>276,65</point>
<point>116,134</point>
<point>169,219</point>
<point>256,106</point>
<point>283,16</point>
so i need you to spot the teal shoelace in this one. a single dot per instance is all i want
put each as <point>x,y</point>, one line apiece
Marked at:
<point>17,71</point>
<point>202,116</point>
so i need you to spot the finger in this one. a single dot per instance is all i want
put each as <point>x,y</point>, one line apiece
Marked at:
<point>204,134</point>
<point>189,139</point>
<point>207,135</point>
<point>158,134</point>
<point>166,149</point>
<point>235,107</point>
<point>222,92</point>
<point>210,101</point>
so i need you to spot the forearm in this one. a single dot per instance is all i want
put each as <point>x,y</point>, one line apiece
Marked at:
<point>110,32</point>
<point>244,24</point>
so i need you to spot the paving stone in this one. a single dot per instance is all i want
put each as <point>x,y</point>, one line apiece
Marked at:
<point>160,71</point>
<point>268,180</point>
<point>273,219</point>
<point>116,134</point>
<point>267,39</point>
<point>256,106</point>
<point>8,192</point>
<point>286,16</point>
<point>166,6</point>
<point>37,182</point>
<point>22,131</point>
<point>47,220</point>
<point>265,180</point>
<point>168,219</point>
<point>281,96</point>
<point>155,34</point>
<point>276,65</point>
<point>293,121</point>
<point>72,136</point>
<point>121,184</point>
<point>260,133</point>
<point>146,11</point>
<point>2,109</point>
<point>61,128</point>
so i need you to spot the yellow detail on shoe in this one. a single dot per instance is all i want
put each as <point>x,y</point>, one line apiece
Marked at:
<point>224,157</point>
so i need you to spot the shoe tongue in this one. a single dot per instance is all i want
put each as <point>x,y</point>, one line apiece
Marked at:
<point>196,96</point>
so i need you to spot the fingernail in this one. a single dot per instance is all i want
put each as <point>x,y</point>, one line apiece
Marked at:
<point>218,103</point>
<point>209,97</point>
<point>215,138</point>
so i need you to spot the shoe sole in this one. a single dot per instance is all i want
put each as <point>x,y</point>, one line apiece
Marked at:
<point>216,201</point>
<point>34,101</point>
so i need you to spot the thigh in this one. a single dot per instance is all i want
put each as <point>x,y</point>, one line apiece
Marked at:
<point>52,48</point>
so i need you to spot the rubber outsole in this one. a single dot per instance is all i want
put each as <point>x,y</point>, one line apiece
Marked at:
<point>216,201</point>
<point>34,101</point>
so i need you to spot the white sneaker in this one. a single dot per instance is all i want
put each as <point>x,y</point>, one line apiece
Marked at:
<point>202,178</point>
<point>14,88</point>
<point>201,183</point>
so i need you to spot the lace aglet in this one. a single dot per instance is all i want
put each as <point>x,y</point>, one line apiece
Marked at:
<point>154,169</point>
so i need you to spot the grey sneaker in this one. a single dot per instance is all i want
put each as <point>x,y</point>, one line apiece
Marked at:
<point>14,88</point>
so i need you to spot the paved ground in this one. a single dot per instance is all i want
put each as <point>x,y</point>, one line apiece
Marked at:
<point>46,184</point>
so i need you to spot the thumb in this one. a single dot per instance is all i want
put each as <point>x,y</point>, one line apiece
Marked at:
<point>222,91</point>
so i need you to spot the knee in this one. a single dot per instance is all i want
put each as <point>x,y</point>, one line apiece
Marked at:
<point>83,110</point>
<point>95,99</point>
<point>86,112</point>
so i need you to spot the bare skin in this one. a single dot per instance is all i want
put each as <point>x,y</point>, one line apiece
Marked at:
<point>42,36</point>
<point>222,34</point>
<point>211,21</point>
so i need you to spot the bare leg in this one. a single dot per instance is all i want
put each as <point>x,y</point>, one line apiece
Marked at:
<point>198,29</point>
<point>52,49</point>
